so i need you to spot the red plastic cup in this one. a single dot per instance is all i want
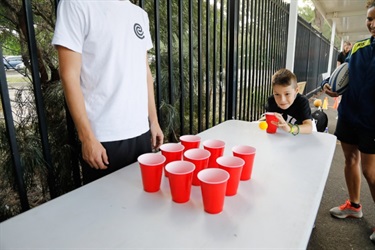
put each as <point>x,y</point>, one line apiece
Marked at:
<point>180,179</point>
<point>199,157</point>
<point>190,141</point>
<point>270,118</point>
<point>233,165</point>
<point>247,153</point>
<point>216,148</point>
<point>213,187</point>
<point>151,165</point>
<point>172,152</point>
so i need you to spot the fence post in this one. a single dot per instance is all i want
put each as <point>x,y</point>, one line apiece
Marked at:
<point>12,137</point>
<point>38,95</point>
<point>231,86</point>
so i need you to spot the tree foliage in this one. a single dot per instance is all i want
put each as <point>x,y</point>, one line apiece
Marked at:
<point>311,15</point>
<point>14,41</point>
<point>14,35</point>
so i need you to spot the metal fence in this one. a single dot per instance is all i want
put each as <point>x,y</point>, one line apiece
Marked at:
<point>212,61</point>
<point>311,58</point>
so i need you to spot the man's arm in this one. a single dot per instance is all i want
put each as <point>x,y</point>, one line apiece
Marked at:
<point>70,69</point>
<point>157,136</point>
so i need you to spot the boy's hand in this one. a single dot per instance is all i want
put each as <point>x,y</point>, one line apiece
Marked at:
<point>282,123</point>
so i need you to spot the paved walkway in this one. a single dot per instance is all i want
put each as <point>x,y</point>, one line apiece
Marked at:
<point>331,233</point>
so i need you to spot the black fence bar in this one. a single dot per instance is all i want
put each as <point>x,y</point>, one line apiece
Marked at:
<point>214,64</point>
<point>266,56</point>
<point>268,88</point>
<point>157,56</point>
<point>200,64</point>
<point>250,69</point>
<point>207,66</point>
<point>191,72</point>
<point>38,96</point>
<point>221,59</point>
<point>171,82</point>
<point>249,54</point>
<point>263,84</point>
<point>241,58</point>
<point>16,159</point>
<point>257,56</point>
<point>181,64</point>
<point>233,8</point>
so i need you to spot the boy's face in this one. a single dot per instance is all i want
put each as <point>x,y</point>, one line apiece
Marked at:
<point>284,95</point>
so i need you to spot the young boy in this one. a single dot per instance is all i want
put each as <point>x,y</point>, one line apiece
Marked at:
<point>291,108</point>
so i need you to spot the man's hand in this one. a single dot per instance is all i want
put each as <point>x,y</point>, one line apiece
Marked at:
<point>327,89</point>
<point>157,136</point>
<point>94,154</point>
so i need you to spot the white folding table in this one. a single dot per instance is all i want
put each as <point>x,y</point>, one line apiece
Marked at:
<point>275,209</point>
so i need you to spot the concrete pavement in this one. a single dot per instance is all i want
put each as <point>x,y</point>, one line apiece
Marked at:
<point>332,233</point>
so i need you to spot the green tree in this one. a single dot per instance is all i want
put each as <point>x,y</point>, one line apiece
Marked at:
<point>14,41</point>
<point>311,15</point>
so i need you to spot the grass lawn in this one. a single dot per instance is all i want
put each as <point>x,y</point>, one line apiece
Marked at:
<point>17,79</point>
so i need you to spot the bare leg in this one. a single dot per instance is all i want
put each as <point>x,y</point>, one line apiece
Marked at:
<point>368,168</point>
<point>352,171</point>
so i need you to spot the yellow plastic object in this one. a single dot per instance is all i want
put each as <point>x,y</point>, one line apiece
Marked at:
<point>263,125</point>
<point>325,103</point>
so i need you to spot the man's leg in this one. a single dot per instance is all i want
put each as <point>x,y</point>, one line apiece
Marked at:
<point>352,171</point>
<point>368,168</point>
<point>352,207</point>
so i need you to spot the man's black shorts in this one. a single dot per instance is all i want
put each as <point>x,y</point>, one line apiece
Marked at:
<point>120,154</point>
<point>364,139</point>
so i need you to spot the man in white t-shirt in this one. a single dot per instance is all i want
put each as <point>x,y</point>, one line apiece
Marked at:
<point>102,47</point>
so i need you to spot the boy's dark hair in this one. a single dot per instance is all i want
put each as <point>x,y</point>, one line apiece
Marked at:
<point>284,77</point>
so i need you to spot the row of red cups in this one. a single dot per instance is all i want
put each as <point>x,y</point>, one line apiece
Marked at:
<point>186,164</point>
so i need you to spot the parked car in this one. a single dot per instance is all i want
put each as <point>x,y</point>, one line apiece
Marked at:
<point>20,66</point>
<point>10,62</point>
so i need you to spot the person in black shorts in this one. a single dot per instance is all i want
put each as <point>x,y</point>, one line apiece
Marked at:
<point>107,82</point>
<point>356,121</point>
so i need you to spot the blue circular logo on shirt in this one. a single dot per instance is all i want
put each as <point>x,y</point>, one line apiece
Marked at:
<point>139,31</point>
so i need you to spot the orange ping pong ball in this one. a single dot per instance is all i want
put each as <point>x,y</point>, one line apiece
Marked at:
<point>263,125</point>
<point>317,103</point>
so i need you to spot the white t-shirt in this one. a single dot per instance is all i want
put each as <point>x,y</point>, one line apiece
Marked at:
<point>113,37</point>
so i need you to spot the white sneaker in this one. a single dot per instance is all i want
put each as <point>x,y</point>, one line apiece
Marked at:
<point>372,236</point>
<point>347,210</point>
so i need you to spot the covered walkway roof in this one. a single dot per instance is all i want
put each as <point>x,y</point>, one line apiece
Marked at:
<point>346,17</point>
